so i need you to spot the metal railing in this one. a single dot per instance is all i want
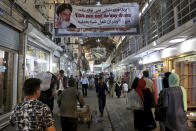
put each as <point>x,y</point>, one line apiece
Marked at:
<point>177,13</point>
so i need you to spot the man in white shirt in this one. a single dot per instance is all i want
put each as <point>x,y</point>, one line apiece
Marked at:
<point>149,83</point>
<point>62,82</point>
<point>125,90</point>
<point>85,84</point>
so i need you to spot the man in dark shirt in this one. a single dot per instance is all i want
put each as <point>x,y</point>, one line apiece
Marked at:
<point>101,90</point>
<point>111,84</point>
<point>62,82</point>
<point>96,81</point>
<point>32,114</point>
<point>67,102</point>
<point>47,97</point>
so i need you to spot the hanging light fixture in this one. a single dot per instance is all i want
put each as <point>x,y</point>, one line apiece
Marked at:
<point>140,61</point>
<point>178,40</point>
<point>98,2</point>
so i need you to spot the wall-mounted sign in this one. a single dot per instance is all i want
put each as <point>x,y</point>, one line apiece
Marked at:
<point>91,21</point>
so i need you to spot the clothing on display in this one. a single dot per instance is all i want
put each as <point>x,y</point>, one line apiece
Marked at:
<point>187,73</point>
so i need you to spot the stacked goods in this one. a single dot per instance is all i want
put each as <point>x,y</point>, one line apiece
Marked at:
<point>84,114</point>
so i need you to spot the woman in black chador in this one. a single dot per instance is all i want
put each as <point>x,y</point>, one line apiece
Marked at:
<point>118,89</point>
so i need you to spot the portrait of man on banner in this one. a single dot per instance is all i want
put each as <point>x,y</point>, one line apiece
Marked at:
<point>63,16</point>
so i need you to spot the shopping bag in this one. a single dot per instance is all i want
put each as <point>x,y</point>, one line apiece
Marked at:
<point>135,101</point>
<point>46,80</point>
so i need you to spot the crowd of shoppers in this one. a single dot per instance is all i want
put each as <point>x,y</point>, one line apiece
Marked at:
<point>171,108</point>
<point>35,112</point>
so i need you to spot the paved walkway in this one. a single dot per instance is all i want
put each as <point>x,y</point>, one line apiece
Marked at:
<point>116,116</point>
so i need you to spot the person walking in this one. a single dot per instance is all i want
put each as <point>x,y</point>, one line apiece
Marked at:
<point>92,82</point>
<point>62,82</point>
<point>175,102</point>
<point>118,88</point>
<point>111,84</point>
<point>85,84</point>
<point>161,114</point>
<point>149,83</point>
<point>101,90</point>
<point>32,114</point>
<point>47,97</point>
<point>144,120</point>
<point>125,90</point>
<point>67,102</point>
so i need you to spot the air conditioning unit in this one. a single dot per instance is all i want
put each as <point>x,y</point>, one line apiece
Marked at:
<point>48,28</point>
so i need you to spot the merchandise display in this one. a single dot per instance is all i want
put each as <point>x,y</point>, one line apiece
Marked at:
<point>186,68</point>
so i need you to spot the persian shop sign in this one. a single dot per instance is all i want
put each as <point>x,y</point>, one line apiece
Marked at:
<point>115,19</point>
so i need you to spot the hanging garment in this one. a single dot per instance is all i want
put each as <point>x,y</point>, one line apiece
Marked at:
<point>130,79</point>
<point>177,68</point>
<point>160,84</point>
<point>194,74</point>
<point>186,74</point>
<point>194,96</point>
<point>190,79</point>
<point>182,76</point>
<point>155,91</point>
<point>157,83</point>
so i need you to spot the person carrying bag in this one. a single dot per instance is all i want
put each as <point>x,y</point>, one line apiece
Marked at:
<point>143,118</point>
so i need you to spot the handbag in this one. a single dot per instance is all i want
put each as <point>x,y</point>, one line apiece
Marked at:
<point>160,113</point>
<point>149,101</point>
<point>135,101</point>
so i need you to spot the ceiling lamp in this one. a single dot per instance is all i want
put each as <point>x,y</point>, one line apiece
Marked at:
<point>178,40</point>
<point>98,40</point>
<point>98,3</point>
<point>154,43</point>
<point>140,62</point>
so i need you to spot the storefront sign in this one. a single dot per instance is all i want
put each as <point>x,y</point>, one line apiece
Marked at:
<point>115,19</point>
<point>2,68</point>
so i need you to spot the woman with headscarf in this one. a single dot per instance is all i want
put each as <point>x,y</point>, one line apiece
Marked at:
<point>143,119</point>
<point>118,88</point>
<point>175,102</point>
<point>160,110</point>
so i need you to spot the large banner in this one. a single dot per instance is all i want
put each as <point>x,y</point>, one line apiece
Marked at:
<point>115,19</point>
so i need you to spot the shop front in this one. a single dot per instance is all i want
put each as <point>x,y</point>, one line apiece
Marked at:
<point>42,54</point>
<point>181,59</point>
<point>56,63</point>
<point>63,63</point>
<point>9,47</point>
<point>37,60</point>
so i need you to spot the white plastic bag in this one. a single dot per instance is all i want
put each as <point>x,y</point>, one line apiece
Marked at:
<point>135,101</point>
<point>46,80</point>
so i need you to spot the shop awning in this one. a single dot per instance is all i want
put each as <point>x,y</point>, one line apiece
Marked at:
<point>35,33</point>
